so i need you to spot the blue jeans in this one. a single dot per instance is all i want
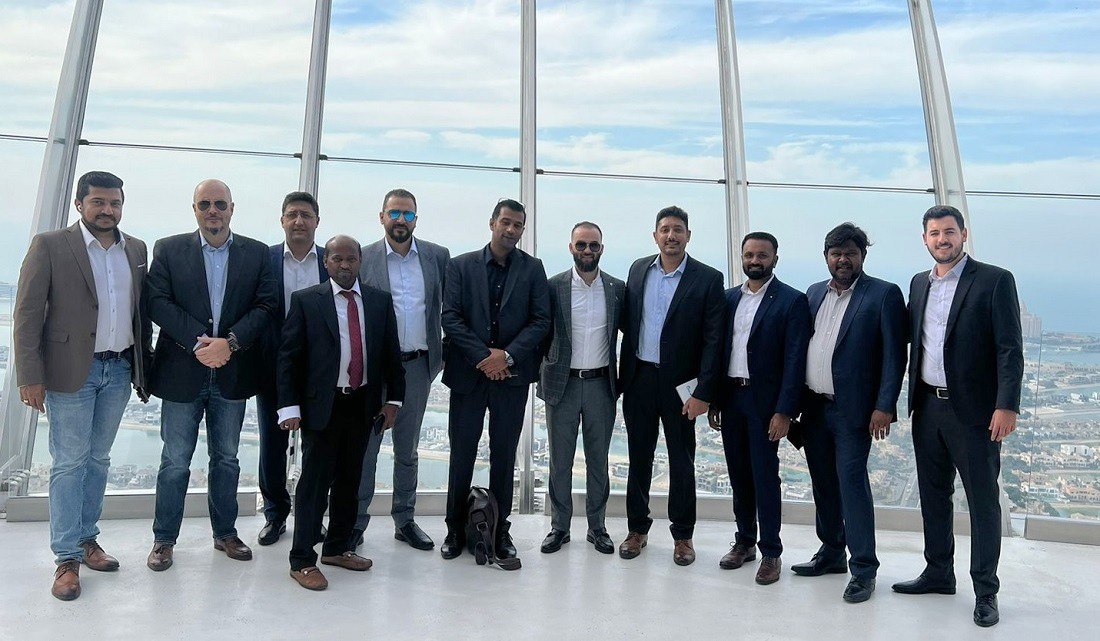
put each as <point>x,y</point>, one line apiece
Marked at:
<point>179,430</point>
<point>83,425</point>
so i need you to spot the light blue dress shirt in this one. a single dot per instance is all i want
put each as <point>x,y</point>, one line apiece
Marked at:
<point>216,261</point>
<point>659,290</point>
<point>409,302</point>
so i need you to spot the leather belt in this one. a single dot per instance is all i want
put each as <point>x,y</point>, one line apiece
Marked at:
<point>738,381</point>
<point>109,355</point>
<point>642,363</point>
<point>348,390</point>
<point>584,374</point>
<point>938,392</point>
<point>413,355</point>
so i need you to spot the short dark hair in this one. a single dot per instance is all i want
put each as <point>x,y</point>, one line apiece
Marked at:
<point>101,179</point>
<point>844,232</point>
<point>936,212</point>
<point>674,212</point>
<point>585,223</point>
<point>761,235</point>
<point>302,197</point>
<point>398,193</point>
<point>514,205</point>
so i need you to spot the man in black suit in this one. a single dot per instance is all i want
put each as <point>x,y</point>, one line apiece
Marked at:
<point>213,296</point>
<point>765,364</point>
<point>854,368</point>
<point>966,368</point>
<point>339,355</point>
<point>672,335</point>
<point>296,263</point>
<point>496,313</point>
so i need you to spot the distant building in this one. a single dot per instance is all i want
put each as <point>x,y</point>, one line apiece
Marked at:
<point>1032,325</point>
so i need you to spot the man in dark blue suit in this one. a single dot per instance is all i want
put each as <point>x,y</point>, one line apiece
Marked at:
<point>765,350</point>
<point>854,368</point>
<point>496,313</point>
<point>296,263</point>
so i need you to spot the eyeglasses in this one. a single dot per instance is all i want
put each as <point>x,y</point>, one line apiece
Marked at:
<point>409,216</point>
<point>581,245</point>
<point>203,205</point>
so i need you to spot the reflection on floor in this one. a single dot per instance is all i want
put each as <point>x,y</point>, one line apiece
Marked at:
<point>1047,588</point>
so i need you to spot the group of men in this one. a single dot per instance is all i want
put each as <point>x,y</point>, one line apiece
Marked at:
<point>344,341</point>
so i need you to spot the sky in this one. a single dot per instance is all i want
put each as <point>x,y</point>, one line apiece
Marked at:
<point>830,93</point>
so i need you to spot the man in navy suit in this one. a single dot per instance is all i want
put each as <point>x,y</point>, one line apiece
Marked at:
<point>496,313</point>
<point>765,356</point>
<point>296,263</point>
<point>213,296</point>
<point>854,368</point>
<point>966,367</point>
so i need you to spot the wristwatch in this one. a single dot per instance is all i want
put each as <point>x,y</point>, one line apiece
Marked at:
<point>234,346</point>
<point>508,360</point>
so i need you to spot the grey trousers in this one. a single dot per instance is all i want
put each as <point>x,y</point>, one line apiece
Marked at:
<point>591,401</point>
<point>406,440</point>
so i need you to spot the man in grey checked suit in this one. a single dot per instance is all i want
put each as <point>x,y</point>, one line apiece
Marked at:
<point>412,271</point>
<point>577,381</point>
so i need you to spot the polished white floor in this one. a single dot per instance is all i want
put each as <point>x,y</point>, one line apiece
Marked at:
<point>1049,591</point>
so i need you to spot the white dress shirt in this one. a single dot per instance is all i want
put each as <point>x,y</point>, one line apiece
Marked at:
<point>660,287</point>
<point>114,290</point>
<point>941,293</point>
<point>298,274</point>
<point>742,326</point>
<point>819,357</point>
<point>409,297</point>
<point>588,318</point>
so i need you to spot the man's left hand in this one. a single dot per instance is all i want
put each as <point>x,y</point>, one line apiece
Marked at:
<point>880,424</point>
<point>389,414</point>
<point>778,426</point>
<point>214,352</point>
<point>694,407</point>
<point>493,364</point>
<point>1002,424</point>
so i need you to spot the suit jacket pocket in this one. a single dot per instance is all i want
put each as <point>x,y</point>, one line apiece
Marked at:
<point>57,337</point>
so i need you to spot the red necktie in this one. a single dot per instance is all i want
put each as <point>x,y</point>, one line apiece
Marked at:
<point>355,367</point>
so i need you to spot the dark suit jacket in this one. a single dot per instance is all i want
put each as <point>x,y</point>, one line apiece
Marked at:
<point>178,301</point>
<point>869,358</point>
<point>554,373</point>
<point>692,334</point>
<point>56,309</point>
<point>273,338</point>
<point>983,350</point>
<point>778,340</point>
<point>309,355</point>
<point>523,320</point>
<point>433,263</point>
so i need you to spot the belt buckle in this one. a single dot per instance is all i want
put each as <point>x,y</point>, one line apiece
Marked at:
<point>941,393</point>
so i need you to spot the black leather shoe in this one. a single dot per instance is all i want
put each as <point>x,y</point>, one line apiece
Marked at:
<point>271,531</point>
<point>821,564</point>
<point>859,590</point>
<point>985,611</point>
<point>452,545</point>
<point>356,538</point>
<point>925,584</point>
<point>601,541</point>
<point>505,548</point>
<point>412,534</point>
<point>554,541</point>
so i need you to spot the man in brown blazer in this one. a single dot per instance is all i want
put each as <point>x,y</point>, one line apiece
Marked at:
<point>81,340</point>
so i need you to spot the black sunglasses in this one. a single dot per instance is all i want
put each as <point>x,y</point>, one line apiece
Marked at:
<point>203,205</point>
<point>581,245</point>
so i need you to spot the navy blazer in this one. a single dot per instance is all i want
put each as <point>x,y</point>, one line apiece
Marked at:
<point>178,301</point>
<point>523,320</point>
<point>869,357</point>
<point>983,349</point>
<point>778,340</point>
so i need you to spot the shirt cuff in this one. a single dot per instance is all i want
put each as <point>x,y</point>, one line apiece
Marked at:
<point>397,403</point>
<point>288,412</point>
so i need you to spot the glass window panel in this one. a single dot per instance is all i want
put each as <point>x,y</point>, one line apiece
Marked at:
<point>31,52</point>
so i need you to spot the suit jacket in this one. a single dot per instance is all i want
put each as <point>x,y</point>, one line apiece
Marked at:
<point>273,338</point>
<point>309,354</point>
<point>692,333</point>
<point>523,319</point>
<point>983,349</point>
<point>433,263</point>
<point>869,357</point>
<point>56,309</point>
<point>178,301</point>
<point>554,374</point>
<point>778,339</point>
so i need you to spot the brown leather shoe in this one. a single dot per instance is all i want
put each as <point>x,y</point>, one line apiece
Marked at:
<point>234,548</point>
<point>633,545</point>
<point>737,556</point>
<point>768,572</point>
<point>96,559</point>
<point>348,560</point>
<point>160,558</point>
<point>310,578</point>
<point>684,553</point>
<point>66,580</point>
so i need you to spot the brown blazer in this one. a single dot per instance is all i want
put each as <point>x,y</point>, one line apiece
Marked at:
<point>55,312</point>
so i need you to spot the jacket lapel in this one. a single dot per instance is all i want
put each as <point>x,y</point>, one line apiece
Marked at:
<point>762,311</point>
<point>80,252</point>
<point>817,298</point>
<point>965,281</point>
<point>853,307</point>
<point>198,266</point>
<point>609,303</point>
<point>328,310</point>
<point>565,307</point>
<point>137,271</point>
<point>687,279</point>
<point>431,277</point>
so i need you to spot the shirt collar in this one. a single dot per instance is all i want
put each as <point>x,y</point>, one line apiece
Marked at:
<point>286,252</point>
<point>487,256</point>
<point>89,238</point>
<point>679,268</point>
<point>580,281</point>
<point>954,274</point>
<point>838,292</point>
<point>390,251</point>
<point>207,246</point>
<point>748,292</point>
<point>336,289</point>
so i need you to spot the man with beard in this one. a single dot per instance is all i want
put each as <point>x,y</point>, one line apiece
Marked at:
<point>412,271</point>
<point>672,335</point>
<point>966,366</point>
<point>854,368</point>
<point>577,381</point>
<point>765,352</point>
<point>496,312</point>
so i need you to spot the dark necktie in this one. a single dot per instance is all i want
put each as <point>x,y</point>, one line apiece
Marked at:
<point>355,366</point>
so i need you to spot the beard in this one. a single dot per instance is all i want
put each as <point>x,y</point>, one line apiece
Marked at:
<point>757,272</point>
<point>399,234</point>
<point>586,265</point>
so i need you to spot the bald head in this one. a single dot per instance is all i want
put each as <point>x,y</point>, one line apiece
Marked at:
<point>342,258</point>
